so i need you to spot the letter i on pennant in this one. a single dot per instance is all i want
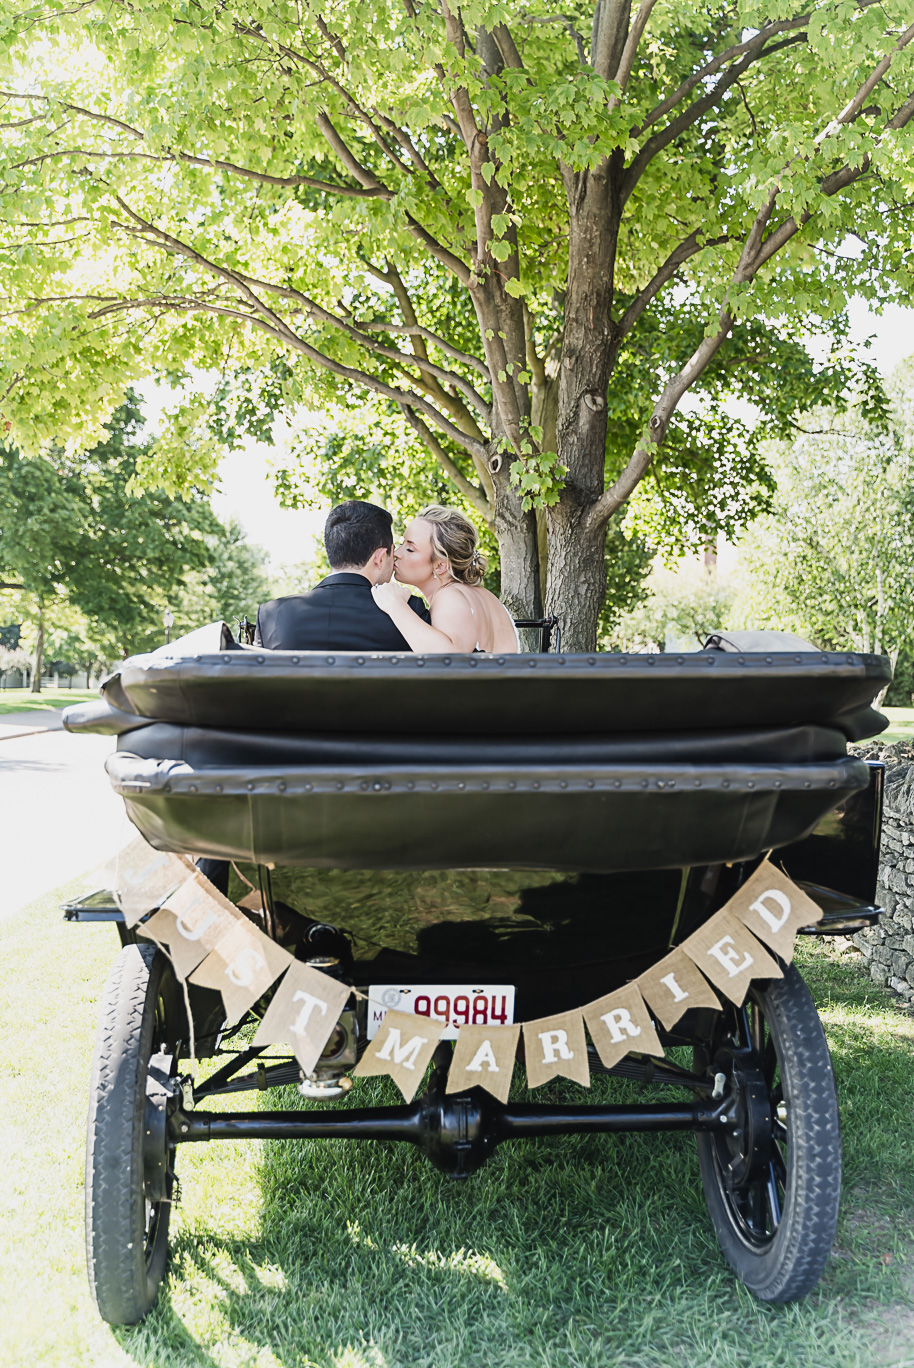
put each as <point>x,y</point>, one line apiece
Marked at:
<point>674,985</point>
<point>484,1058</point>
<point>402,1048</point>
<point>619,1023</point>
<point>556,1047</point>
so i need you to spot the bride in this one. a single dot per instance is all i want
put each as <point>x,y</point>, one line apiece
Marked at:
<point>438,557</point>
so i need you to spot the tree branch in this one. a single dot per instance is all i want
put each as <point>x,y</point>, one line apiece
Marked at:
<point>474,496</point>
<point>280,329</point>
<point>757,250</point>
<point>610,25</point>
<point>679,255</point>
<point>694,112</point>
<point>627,60</point>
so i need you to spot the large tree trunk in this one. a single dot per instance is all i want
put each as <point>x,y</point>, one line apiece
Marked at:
<point>517,544</point>
<point>576,576</point>
<point>39,654</point>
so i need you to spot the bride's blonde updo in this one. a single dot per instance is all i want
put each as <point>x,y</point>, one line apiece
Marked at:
<point>454,540</point>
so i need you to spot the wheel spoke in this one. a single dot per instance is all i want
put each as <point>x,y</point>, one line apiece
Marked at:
<point>772,1198</point>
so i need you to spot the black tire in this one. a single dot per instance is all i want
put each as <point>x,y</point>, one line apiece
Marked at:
<point>776,1220</point>
<point>126,1234</point>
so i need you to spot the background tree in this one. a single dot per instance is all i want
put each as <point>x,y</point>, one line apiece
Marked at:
<point>834,560</point>
<point>99,563</point>
<point>474,214</point>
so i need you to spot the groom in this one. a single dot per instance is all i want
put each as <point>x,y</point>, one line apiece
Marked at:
<point>339,613</point>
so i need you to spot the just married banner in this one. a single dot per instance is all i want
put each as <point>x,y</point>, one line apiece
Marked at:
<point>212,943</point>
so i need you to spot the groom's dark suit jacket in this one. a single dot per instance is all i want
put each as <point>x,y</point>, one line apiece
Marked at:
<point>338,614</point>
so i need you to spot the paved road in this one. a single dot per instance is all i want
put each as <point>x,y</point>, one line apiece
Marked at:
<point>58,815</point>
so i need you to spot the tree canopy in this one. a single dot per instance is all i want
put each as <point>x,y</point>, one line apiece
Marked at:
<point>834,561</point>
<point>96,562</point>
<point>528,234</point>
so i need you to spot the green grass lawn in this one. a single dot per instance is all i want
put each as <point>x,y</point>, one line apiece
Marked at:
<point>586,1252</point>
<point>901,726</point>
<point>21,700</point>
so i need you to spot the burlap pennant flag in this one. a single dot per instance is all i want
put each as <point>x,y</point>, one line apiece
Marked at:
<point>555,1047</point>
<point>484,1058</point>
<point>402,1048</point>
<point>143,878</point>
<point>773,908</point>
<point>729,956</point>
<point>305,1009</point>
<point>672,986</point>
<point>620,1022</point>
<point>242,966</point>
<point>191,923</point>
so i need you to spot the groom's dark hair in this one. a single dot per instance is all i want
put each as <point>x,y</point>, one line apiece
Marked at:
<point>354,531</point>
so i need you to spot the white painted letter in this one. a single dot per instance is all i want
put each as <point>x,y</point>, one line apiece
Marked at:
<point>402,1054</point>
<point>193,933</point>
<point>782,901</point>
<point>484,1055</point>
<point>619,1020</point>
<point>728,958</point>
<point>300,1024</point>
<point>555,1046</point>
<point>140,876</point>
<point>678,994</point>
<point>243,967</point>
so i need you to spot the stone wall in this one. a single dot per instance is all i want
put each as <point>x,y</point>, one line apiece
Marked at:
<point>889,946</point>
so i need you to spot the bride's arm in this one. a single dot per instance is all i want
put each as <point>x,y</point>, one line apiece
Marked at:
<point>452,628</point>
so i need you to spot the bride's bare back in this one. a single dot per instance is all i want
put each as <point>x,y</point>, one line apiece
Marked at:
<point>493,623</point>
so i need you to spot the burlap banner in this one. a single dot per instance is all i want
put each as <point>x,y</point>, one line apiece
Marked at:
<point>212,943</point>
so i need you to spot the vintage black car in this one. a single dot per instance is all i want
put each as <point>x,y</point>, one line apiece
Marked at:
<point>551,823</point>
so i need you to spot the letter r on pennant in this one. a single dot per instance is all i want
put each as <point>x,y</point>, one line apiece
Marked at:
<point>555,1046</point>
<point>617,1021</point>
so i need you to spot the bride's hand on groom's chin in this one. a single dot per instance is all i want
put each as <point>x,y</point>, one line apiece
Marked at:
<point>389,595</point>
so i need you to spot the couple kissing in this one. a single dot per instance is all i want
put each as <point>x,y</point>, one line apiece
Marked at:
<point>365,602</point>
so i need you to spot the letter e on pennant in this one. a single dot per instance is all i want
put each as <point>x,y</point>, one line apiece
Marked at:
<point>729,956</point>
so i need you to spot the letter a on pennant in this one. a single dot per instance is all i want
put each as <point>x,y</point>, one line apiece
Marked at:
<point>620,1022</point>
<point>555,1047</point>
<point>305,1008</point>
<point>773,908</point>
<point>484,1058</point>
<point>729,956</point>
<point>402,1048</point>
<point>674,985</point>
